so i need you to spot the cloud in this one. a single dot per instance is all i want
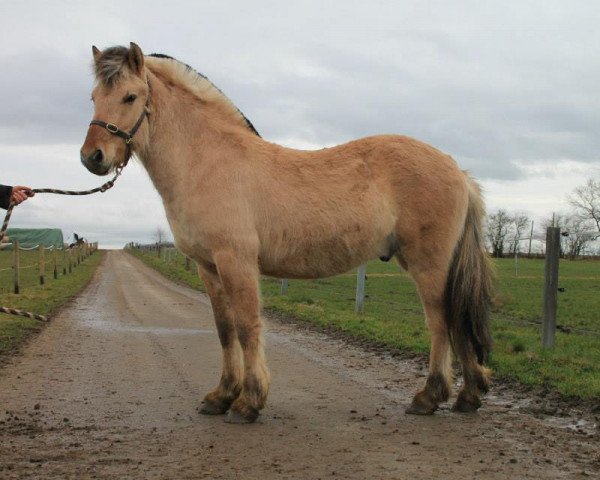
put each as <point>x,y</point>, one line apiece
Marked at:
<point>497,87</point>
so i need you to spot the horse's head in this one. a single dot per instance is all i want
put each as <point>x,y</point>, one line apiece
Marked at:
<point>120,104</point>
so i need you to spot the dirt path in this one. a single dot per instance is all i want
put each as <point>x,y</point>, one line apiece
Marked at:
<point>110,388</point>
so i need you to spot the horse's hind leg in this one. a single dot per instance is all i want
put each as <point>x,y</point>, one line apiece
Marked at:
<point>219,400</point>
<point>239,275</point>
<point>430,285</point>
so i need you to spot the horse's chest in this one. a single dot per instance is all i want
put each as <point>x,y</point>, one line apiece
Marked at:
<point>189,237</point>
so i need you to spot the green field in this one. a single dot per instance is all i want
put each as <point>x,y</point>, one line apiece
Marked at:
<point>29,267</point>
<point>393,315</point>
<point>34,297</point>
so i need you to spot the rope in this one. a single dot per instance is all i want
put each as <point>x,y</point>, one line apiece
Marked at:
<point>102,188</point>
<point>22,313</point>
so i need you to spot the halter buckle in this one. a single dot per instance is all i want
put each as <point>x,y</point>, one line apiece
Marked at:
<point>112,128</point>
<point>128,140</point>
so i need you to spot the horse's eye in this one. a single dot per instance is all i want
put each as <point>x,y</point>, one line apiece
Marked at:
<point>129,98</point>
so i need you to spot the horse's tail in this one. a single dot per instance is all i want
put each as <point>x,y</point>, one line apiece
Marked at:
<point>469,285</point>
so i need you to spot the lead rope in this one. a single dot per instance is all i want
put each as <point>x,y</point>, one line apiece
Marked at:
<point>102,188</point>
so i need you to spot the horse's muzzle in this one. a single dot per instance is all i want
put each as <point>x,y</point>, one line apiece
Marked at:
<point>95,163</point>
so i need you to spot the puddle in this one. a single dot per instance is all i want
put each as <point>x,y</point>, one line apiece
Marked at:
<point>125,328</point>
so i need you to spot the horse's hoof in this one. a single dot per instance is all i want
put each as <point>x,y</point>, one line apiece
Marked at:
<point>422,404</point>
<point>246,414</point>
<point>210,408</point>
<point>464,404</point>
<point>235,417</point>
<point>419,410</point>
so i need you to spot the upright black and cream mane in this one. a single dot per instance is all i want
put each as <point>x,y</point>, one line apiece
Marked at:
<point>110,66</point>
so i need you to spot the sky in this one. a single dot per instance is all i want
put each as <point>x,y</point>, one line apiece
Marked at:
<point>510,89</point>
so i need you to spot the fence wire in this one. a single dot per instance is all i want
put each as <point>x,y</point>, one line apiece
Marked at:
<point>56,264</point>
<point>394,292</point>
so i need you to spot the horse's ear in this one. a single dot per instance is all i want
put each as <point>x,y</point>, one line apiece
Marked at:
<point>135,58</point>
<point>96,53</point>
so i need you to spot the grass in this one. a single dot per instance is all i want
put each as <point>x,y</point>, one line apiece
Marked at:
<point>40,299</point>
<point>394,316</point>
<point>29,269</point>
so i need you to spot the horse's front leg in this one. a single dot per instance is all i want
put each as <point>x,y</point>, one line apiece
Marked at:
<point>219,400</point>
<point>239,276</point>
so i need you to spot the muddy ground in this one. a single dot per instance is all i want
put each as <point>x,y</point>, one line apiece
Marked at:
<point>110,390</point>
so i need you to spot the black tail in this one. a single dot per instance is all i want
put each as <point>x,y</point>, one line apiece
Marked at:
<point>469,286</point>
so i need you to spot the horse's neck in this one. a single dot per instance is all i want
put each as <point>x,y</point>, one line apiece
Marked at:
<point>173,152</point>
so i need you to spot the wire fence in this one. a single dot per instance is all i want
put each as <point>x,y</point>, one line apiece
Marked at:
<point>382,289</point>
<point>25,267</point>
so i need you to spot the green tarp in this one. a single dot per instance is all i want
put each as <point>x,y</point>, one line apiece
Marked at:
<point>32,237</point>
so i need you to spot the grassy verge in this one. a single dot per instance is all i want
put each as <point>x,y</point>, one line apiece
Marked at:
<point>43,300</point>
<point>394,316</point>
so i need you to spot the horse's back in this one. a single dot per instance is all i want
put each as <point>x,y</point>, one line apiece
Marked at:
<point>323,212</point>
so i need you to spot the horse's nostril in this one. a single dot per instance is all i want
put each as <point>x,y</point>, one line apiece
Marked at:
<point>97,157</point>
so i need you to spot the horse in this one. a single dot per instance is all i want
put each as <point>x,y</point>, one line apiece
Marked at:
<point>242,207</point>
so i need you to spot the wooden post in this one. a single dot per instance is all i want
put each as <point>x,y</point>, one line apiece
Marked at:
<point>187,263</point>
<point>551,285</point>
<point>361,273</point>
<point>64,260</point>
<point>16,265</point>
<point>41,263</point>
<point>54,255</point>
<point>70,255</point>
<point>530,238</point>
<point>284,286</point>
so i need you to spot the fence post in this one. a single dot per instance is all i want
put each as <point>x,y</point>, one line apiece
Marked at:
<point>361,273</point>
<point>16,265</point>
<point>284,286</point>
<point>41,263</point>
<point>550,285</point>
<point>64,260</point>
<point>187,263</point>
<point>70,255</point>
<point>54,255</point>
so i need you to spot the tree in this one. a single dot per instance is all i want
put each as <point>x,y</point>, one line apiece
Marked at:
<point>520,221</point>
<point>577,233</point>
<point>580,235</point>
<point>160,235</point>
<point>499,225</point>
<point>585,199</point>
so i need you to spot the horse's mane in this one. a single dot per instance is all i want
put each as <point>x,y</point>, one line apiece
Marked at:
<point>110,66</point>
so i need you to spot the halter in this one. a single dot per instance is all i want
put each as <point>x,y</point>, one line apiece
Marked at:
<point>127,136</point>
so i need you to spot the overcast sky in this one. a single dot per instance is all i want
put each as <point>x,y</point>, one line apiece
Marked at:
<point>510,89</point>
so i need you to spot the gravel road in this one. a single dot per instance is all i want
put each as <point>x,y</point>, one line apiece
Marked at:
<point>110,390</point>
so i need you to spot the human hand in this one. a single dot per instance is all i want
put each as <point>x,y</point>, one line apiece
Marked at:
<point>20,194</point>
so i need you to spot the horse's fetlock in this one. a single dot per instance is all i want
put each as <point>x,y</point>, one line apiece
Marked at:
<point>437,387</point>
<point>466,402</point>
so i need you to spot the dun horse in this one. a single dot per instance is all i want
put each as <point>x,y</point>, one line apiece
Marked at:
<point>241,207</point>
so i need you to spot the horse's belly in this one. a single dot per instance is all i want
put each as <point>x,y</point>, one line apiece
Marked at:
<point>318,256</point>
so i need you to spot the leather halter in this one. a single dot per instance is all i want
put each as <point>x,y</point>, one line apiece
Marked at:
<point>127,136</point>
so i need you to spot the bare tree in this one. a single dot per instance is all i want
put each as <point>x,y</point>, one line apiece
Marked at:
<point>586,201</point>
<point>499,225</point>
<point>520,221</point>
<point>578,235</point>
<point>160,235</point>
